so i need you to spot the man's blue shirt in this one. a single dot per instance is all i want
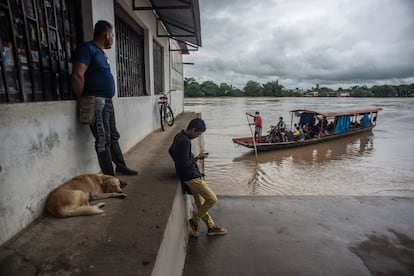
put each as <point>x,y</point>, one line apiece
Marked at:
<point>99,81</point>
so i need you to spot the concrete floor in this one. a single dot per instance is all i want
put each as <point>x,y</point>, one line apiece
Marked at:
<point>307,235</point>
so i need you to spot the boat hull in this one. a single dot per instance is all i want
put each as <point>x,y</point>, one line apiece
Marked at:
<point>263,146</point>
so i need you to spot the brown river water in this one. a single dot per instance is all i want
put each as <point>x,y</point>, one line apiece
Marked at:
<point>377,163</point>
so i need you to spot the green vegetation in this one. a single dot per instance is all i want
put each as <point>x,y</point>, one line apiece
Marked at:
<point>273,89</point>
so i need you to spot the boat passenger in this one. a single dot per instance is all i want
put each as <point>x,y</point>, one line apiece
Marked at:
<point>323,123</point>
<point>295,125</point>
<point>291,133</point>
<point>361,121</point>
<point>329,128</point>
<point>307,131</point>
<point>281,125</point>
<point>305,127</point>
<point>299,135</point>
<point>316,130</point>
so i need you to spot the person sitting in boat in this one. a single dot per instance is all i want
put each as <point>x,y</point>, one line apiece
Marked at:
<point>295,125</point>
<point>307,131</point>
<point>330,127</point>
<point>291,133</point>
<point>299,136</point>
<point>316,130</point>
<point>323,123</point>
<point>258,125</point>
<point>361,122</point>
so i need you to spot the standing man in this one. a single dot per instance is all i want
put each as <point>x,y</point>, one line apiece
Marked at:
<point>258,125</point>
<point>187,169</point>
<point>92,76</point>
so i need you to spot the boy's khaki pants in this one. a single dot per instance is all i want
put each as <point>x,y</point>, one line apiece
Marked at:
<point>204,199</point>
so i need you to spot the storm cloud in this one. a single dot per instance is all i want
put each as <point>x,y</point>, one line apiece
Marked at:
<point>303,43</point>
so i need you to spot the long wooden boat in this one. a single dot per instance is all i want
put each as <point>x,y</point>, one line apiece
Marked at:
<point>330,125</point>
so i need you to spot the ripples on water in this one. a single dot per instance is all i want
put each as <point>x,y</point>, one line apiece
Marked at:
<point>376,163</point>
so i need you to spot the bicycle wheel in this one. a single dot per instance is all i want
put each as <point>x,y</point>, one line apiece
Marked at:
<point>162,116</point>
<point>169,116</point>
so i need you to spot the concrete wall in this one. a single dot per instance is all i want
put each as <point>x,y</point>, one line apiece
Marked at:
<point>43,144</point>
<point>171,255</point>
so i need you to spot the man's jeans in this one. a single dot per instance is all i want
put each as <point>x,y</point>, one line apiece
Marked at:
<point>104,130</point>
<point>204,199</point>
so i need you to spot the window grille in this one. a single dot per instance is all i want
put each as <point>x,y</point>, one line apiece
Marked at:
<point>130,60</point>
<point>158,72</point>
<point>37,38</point>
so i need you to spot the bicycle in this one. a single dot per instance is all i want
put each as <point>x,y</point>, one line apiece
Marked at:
<point>166,113</point>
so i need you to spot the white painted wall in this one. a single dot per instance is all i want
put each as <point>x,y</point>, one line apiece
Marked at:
<point>43,144</point>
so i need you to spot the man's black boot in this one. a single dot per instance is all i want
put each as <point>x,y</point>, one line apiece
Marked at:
<point>119,161</point>
<point>125,170</point>
<point>105,162</point>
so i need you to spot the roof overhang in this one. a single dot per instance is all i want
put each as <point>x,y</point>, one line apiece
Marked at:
<point>180,18</point>
<point>339,113</point>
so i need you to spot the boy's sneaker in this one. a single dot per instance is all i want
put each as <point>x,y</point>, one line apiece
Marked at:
<point>193,228</point>
<point>216,231</point>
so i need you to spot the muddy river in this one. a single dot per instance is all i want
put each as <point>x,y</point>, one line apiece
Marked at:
<point>378,163</point>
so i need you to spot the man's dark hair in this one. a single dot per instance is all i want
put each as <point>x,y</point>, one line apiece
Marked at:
<point>198,124</point>
<point>101,27</point>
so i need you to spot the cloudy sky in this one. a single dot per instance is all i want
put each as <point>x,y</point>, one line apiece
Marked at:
<point>333,43</point>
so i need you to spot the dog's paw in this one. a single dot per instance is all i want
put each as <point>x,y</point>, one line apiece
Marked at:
<point>122,196</point>
<point>100,204</point>
<point>122,183</point>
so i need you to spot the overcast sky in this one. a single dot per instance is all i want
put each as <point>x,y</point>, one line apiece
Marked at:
<point>301,43</point>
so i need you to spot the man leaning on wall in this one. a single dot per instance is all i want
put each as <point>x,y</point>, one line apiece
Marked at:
<point>92,78</point>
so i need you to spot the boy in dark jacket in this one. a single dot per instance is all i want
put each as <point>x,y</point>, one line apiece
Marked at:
<point>187,169</point>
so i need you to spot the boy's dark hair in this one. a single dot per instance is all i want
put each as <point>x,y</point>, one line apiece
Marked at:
<point>198,124</point>
<point>101,27</point>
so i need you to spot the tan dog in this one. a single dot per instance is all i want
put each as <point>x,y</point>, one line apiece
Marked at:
<point>72,198</point>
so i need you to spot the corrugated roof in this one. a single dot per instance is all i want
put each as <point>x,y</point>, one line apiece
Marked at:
<point>181,19</point>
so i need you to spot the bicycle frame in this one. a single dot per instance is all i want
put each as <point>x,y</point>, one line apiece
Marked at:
<point>166,113</point>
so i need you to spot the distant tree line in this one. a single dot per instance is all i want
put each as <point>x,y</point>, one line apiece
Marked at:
<point>273,89</point>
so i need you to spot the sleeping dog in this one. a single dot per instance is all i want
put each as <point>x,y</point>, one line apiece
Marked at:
<point>72,198</point>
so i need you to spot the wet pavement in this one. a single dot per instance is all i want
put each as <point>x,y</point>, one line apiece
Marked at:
<point>307,235</point>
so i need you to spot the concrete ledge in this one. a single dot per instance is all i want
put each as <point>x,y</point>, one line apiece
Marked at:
<point>171,255</point>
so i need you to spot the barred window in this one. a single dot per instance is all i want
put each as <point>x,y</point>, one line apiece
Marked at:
<point>158,65</point>
<point>37,38</point>
<point>130,59</point>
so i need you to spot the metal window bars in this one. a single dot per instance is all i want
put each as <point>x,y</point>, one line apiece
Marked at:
<point>130,60</point>
<point>37,39</point>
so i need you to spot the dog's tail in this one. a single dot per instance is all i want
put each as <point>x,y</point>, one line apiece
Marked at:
<point>85,210</point>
